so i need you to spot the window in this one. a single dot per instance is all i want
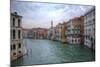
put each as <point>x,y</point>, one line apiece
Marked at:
<point>14,34</point>
<point>72,40</point>
<point>11,47</point>
<point>11,34</point>
<point>19,51</point>
<point>75,40</point>
<point>86,37</point>
<point>91,39</point>
<point>14,46</point>
<point>19,34</point>
<point>19,45</point>
<point>94,20</point>
<point>79,40</point>
<point>18,22</point>
<point>13,21</point>
<point>14,53</point>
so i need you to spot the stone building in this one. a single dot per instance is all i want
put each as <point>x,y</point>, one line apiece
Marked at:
<point>63,32</point>
<point>82,30</point>
<point>58,31</point>
<point>75,30</point>
<point>17,48</point>
<point>38,33</point>
<point>89,28</point>
<point>30,34</point>
<point>25,33</point>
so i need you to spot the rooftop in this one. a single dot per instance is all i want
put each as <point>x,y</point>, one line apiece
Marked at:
<point>15,14</point>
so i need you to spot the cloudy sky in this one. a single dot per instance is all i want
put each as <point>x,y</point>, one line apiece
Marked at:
<point>41,14</point>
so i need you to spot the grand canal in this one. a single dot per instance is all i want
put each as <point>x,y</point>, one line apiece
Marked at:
<point>50,52</point>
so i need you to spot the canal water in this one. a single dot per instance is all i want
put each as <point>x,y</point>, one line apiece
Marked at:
<point>50,52</point>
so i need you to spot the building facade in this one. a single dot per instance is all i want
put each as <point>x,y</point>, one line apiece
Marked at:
<point>17,48</point>
<point>38,33</point>
<point>82,30</point>
<point>75,30</point>
<point>25,33</point>
<point>63,33</point>
<point>58,32</point>
<point>89,28</point>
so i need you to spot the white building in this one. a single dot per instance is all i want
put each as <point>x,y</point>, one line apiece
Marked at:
<point>89,28</point>
<point>17,48</point>
<point>68,32</point>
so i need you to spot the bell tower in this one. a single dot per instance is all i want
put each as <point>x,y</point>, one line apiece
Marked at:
<point>51,24</point>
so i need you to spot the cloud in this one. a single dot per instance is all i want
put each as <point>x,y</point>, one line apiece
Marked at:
<point>41,14</point>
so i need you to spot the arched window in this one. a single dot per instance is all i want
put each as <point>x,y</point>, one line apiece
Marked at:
<point>13,21</point>
<point>11,33</point>
<point>14,32</point>
<point>11,47</point>
<point>19,32</point>
<point>18,22</point>
<point>19,45</point>
<point>14,46</point>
